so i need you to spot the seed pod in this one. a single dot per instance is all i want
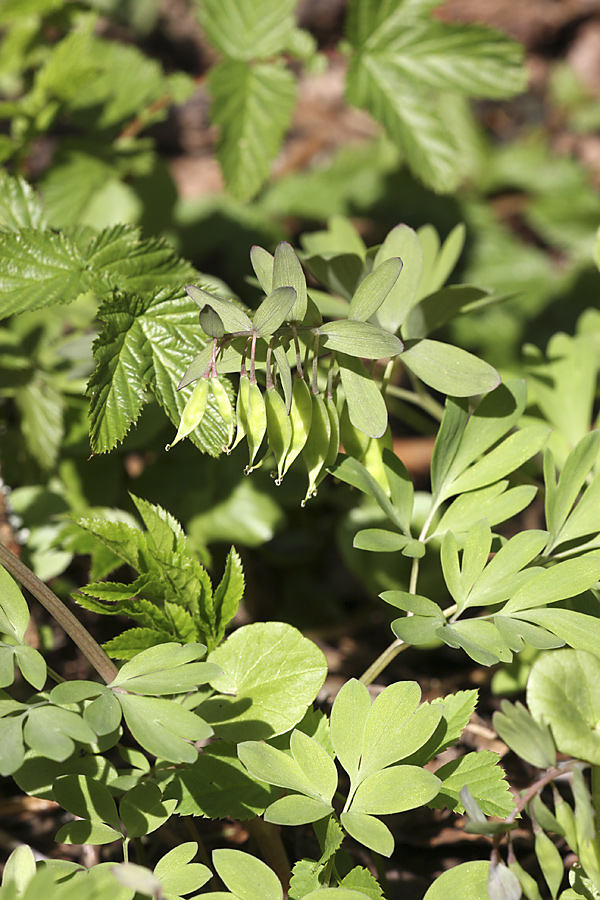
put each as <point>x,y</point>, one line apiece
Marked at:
<point>241,408</point>
<point>193,412</point>
<point>354,441</point>
<point>300,416</point>
<point>334,439</point>
<point>255,424</point>
<point>316,449</point>
<point>373,459</point>
<point>279,429</point>
<point>224,408</point>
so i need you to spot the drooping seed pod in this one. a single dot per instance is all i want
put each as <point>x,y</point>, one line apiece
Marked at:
<point>334,439</point>
<point>373,458</point>
<point>279,429</point>
<point>255,424</point>
<point>300,416</point>
<point>193,411</point>
<point>224,407</point>
<point>241,407</point>
<point>316,448</point>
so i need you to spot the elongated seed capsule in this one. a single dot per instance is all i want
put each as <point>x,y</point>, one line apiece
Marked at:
<point>224,408</point>
<point>193,411</point>
<point>373,459</point>
<point>256,424</point>
<point>355,443</point>
<point>316,448</point>
<point>300,416</point>
<point>279,429</point>
<point>334,438</point>
<point>241,407</point>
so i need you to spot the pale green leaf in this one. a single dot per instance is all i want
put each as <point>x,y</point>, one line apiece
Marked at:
<point>450,439</point>
<point>14,612</point>
<point>233,318</point>
<point>400,242</point>
<point>485,779</point>
<point>563,692</point>
<point>449,369</point>
<point>263,264</point>
<point>379,540</point>
<point>348,718</point>
<point>373,290</point>
<point>566,579</point>
<point>444,260</point>
<point>12,749</point>
<point>84,797</point>
<point>20,207</point>
<point>272,673</point>
<point>550,862</point>
<point>528,738</point>
<point>416,629</point>
<point>575,470</point>
<point>253,106</point>
<point>315,764</point>
<point>395,790</point>
<point>469,881</point>
<point>438,308</point>
<point>494,503</point>
<point>247,877</point>
<point>287,271</point>
<point>387,726</point>
<point>359,339</point>
<point>275,767</point>
<point>369,831</point>
<point>163,728</point>
<point>361,879</point>
<point>142,810</point>
<point>366,406</point>
<point>275,309</point>
<point>295,809</point>
<point>515,555</point>
<point>85,832</point>
<point>32,665</point>
<point>42,407</point>
<point>479,638</point>
<point>354,473</point>
<point>52,732</point>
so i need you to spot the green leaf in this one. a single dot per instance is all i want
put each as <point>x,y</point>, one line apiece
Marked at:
<point>14,612</point>
<point>248,29</point>
<point>177,872</point>
<point>347,724</point>
<point>42,407</point>
<point>247,877</point>
<point>286,270</point>
<point>19,869</point>
<point>274,310</point>
<point>550,862</point>
<point>373,290</point>
<point>361,880</point>
<point>485,779</point>
<point>366,406</point>
<point>395,790</point>
<point>580,631</point>
<point>20,206</point>
<point>142,809</point>
<point>272,673</point>
<point>562,692</point>
<point>103,715</point>
<point>163,728</point>
<point>457,710</point>
<point>369,831</point>
<point>359,339</point>
<point>229,592</point>
<point>354,473</point>
<point>84,832</point>
<point>467,880</point>
<point>275,767</point>
<point>566,579</point>
<point>494,503</point>
<point>295,809</point>
<point>416,629</point>
<point>378,540</point>
<point>527,738</point>
<point>436,309</point>
<point>233,318</point>
<point>400,242</point>
<point>263,264</point>
<point>449,369</point>
<point>253,107</point>
<point>53,731</point>
<point>217,785</point>
<point>12,749</point>
<point>315,764</point>
<point>87,799</point>
<point>177,679</point>
<point>32,665</point>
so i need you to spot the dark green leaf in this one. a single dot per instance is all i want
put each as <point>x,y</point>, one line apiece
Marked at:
<point>274,310</point>
<point>366,406</point>
<point>437,309</point>
<point>233,318</point>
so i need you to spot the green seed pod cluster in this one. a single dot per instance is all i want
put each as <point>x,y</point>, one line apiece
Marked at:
<point>193,412</point>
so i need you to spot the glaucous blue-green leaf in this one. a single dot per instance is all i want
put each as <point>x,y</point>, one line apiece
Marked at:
<point>354,473</point>
<point>478,545</point>
<point>142,809</point>
<point>246,876</point>
<point>413,603</point>
<point>233,318</point>
<point>248,29</point>
<point>52,731</point>
<point>347,723</point>
<point>87,799</point>
<point>163,727</point>
<point>296,809</point>
<point>7,665</point>
<point>12,748</point>
<point>580,631</point>
<point>517,633</point>
<point>395,790</point>
<point>400,242</point>
<point>439,258</point>
<point>341,893</point>
<point>563,692</point>
<point>373,290</point>
<point>263,263</point>
<point>479,638</point>
<point>271,675</point>
<point>14,612</point>
<point>566,579</point>
<point>379,540</point>
<point>513,556</point>
<point>103,714</point>
<point>467,880</point>
<point>32,665</point>
<point>287,272</point>
<point>580,460</point>
<point>341,273</point>
<point>157,659</point>
<point>366,406</point>
<point>218,785</point>
<point>359,339</point>
<point>528,738</point>
<point>550,862</point>
<point>416,630</point>
<point>177,873</point>
<point>178,680</point>
<point>211,322</point>
<point>252,105</point>
<point>369,831</point>
<point>449,369</point>
<point>436,309</point>
<point>274,310</point>
<point>485,779</point>
<point>496,503</point>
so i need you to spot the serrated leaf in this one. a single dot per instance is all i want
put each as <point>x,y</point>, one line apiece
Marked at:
<point>248,29</point>
<point>449,369</point>
<point>20,207</point>
<point>360,879</point>
<point>272,672</point>
<point>229,592</point>
<point>218,785</point>
<point>485,779</point>
<point>253,106</point>
<point>306,876</point>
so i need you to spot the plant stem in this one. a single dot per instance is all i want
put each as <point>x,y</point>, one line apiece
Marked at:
<point>390,653</point>
<point>65,618</point>
<point>423,400</point>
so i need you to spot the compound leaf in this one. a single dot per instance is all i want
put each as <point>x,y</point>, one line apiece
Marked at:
<point>246,876</point>
<point>484,778</point>
<point>449,369</point>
